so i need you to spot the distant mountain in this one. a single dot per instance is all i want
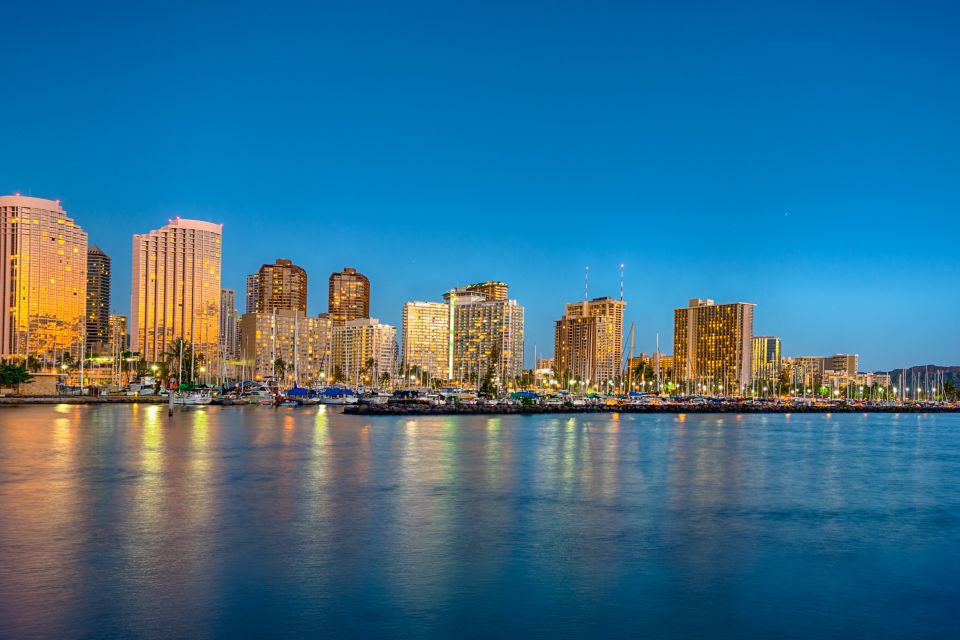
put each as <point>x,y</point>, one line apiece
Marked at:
<point>920,372</point>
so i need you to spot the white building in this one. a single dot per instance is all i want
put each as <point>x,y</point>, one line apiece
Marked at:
<point>364,351</point>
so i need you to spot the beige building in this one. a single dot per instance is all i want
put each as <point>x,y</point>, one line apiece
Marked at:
<point>426,338</point>
<point>713,347</point>
<point>281,285</point>
<point>491,289</point>
<point>229,325</point>
<point>253,293</point>
<point>845,363</point>
<point>813,372</point>
<point>176,289</point>
<point>118,337</point>
<point>348,296</point>
<point>43,280</point>
<point>300,342</point>
<point>364,350</point>
<point>487,337</point>
<point>588,343</point>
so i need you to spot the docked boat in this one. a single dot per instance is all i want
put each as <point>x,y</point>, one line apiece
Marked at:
<point>375,397</point>
<point>192,398</point>
<point>338,395</point>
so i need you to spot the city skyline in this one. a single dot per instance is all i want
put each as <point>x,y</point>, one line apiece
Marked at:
<point>496,289</point>
<point>808,169</point>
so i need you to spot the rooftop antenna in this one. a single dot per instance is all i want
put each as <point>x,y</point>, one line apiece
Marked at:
<point>586,282</point>
<point>621,282</point>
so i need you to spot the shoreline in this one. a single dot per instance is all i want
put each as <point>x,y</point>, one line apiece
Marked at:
<point>14,401</point>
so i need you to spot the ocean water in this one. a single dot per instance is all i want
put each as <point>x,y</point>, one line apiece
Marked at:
<point>234,522</point>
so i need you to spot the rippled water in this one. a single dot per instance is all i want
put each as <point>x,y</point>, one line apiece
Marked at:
<point>254,522</point>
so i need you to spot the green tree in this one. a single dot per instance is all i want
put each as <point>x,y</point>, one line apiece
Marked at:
<point>487,384</point>
<point>178,358</point>
<point>337,375</point>
<point>13,375</point>
<point>280,368</point>
<point>34,363</point>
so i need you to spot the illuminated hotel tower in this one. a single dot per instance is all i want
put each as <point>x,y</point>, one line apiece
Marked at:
<point>426,338</point>
<point>486,334</point>
<point>588,342</point>
<point>176,288</point>
<point>349,296</point>
<point>281,286</point>
<point>713,346</point>
<point>43,279</point>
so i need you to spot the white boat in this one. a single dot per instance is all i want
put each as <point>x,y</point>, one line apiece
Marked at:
<point>378,397</point>
<point>192,399</point>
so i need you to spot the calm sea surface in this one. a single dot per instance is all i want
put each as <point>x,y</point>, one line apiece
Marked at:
<point>254,522</point>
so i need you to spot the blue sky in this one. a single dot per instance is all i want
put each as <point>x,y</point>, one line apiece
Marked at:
<point>801,156</point>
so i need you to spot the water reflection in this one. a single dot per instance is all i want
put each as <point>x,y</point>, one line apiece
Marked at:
<point>259,522</point>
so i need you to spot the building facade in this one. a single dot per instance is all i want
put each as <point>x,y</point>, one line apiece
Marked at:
<point>843,363</point>
<point>176,289</point>
<point>349,296</point>
<point>253,293</point>
<point>119,337</point>
<point>281,286</point>
<point>287,346</point>
<point>229,325</point>
<point>426,338</point>
<point>713,347</point>
<point>98,299</point>
<point>43,280</point>
<point>491,289</point>
<point>364,351</point>
<point>487,337</point>
<point>588,343</point>
<point>766,359</point>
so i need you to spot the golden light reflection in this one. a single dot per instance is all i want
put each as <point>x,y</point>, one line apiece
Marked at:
<point>493,445</point>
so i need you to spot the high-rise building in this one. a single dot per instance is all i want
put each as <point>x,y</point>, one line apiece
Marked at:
<point>491,289</point>
<point>766,359</point>
<point>487,337</point>
<point>713,346</point>
<point>253,293</point>
<point>588,343</point>
<point>844,363</point>
<point>118,337</point>
<point>287,345</point>
<point>364,350</point>
<point>98,299</point>
<point>281,285</point>
<point>426,338</point>
<point>349,296</point>
<point>176,289</point>
<point>229,328</point>
<point>43,279</point>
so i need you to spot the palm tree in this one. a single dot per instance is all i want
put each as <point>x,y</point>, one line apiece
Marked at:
<point>279,368</point>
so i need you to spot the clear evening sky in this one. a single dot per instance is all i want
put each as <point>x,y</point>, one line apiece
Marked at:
<point>801,156</point>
